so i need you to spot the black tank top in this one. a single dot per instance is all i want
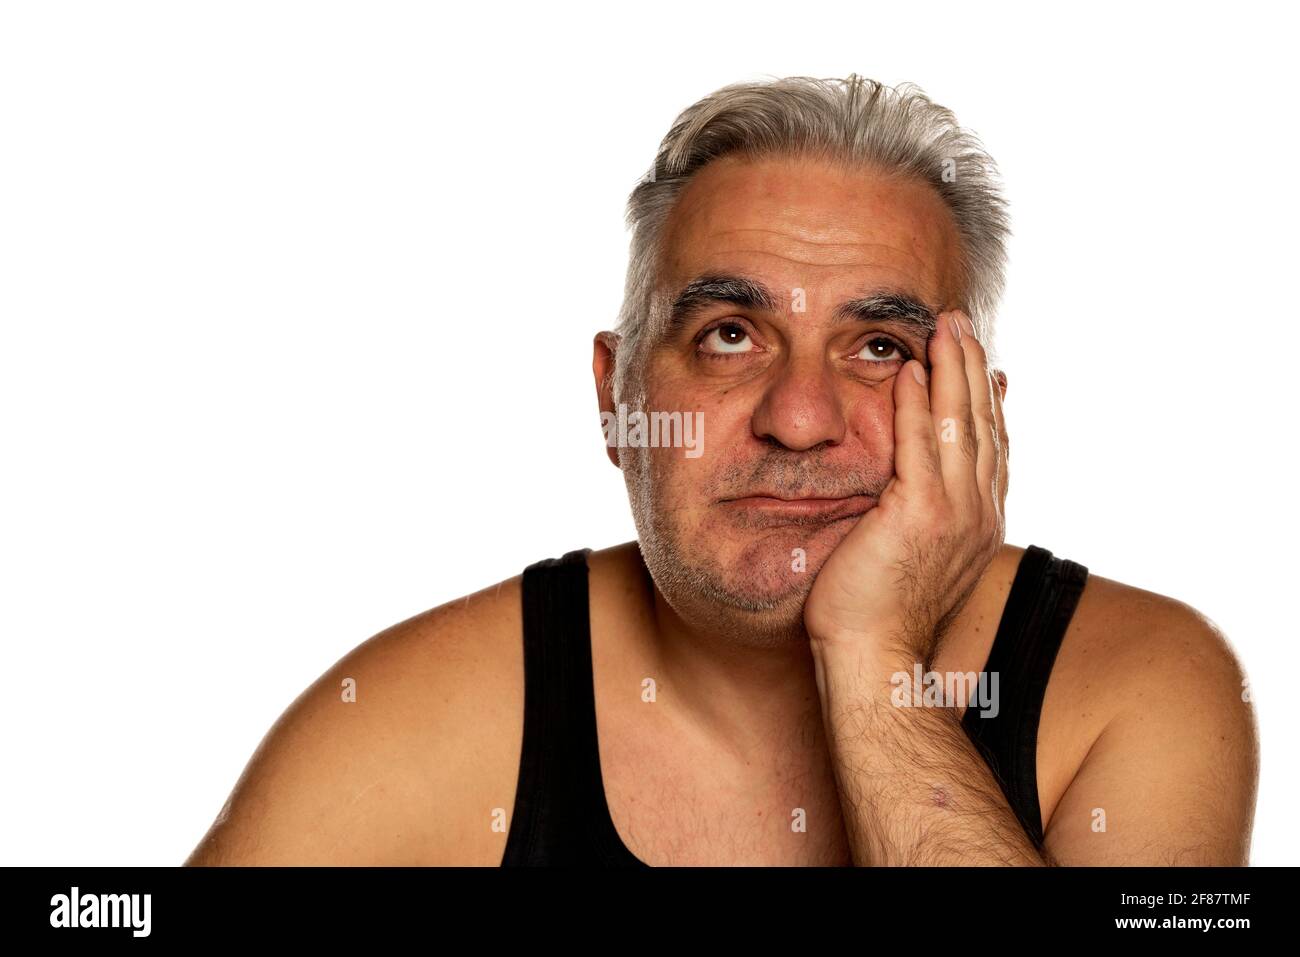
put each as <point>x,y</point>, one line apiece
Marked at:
<point>560,814</point>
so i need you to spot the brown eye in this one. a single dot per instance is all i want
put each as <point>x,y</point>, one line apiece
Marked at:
<point>729,337</point>
<point>881,349</point>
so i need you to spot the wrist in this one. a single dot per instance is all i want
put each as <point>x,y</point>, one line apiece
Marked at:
<point>882,646</point>
<point>861,666</point>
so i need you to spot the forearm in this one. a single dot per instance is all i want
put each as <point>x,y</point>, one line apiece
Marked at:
<point>913,788</point>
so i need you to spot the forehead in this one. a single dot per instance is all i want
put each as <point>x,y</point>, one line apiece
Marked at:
<point>809,222</point>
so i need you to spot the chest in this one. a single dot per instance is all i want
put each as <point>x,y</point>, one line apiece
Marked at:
<point>674,803</point>
<point>673,806</point>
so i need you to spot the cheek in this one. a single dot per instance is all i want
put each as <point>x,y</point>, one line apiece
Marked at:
<point>707,430</point>
<point>724,444</point>
<point>871,419</point>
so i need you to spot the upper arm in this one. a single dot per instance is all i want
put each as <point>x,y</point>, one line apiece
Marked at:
<point>1171,778</point>
<point>409,770</point>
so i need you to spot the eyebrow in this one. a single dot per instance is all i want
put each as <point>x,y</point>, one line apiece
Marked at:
<point>883,306</point>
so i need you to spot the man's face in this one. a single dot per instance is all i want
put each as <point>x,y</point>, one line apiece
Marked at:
<point>796,404</point>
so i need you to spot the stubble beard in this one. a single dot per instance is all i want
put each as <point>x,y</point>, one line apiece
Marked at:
<point>699,588</point>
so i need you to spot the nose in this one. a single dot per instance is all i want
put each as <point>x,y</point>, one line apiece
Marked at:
<point>800,408</point>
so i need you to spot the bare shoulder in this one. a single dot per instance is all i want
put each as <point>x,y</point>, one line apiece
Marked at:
<point>405,752</point>
<point>1151,701</point>
<point>1135,646</point>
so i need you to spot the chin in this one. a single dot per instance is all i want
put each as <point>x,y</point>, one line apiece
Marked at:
<point>747,583</point>
<point>768,574</point>
<point>777,561</point>
<point>759,607</point>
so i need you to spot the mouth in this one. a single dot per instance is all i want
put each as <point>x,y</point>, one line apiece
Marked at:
<point>776,509</point>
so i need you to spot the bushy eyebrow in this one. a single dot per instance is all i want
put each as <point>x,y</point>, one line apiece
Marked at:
<point>709,290</point>
<point>887,307</point>
<point>705,291</point>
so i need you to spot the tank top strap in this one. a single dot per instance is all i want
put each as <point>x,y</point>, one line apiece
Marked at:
<point>560,816</point>
<point>1037,613</point>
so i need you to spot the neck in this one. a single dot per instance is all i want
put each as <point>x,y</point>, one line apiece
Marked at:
<point>739,687</point>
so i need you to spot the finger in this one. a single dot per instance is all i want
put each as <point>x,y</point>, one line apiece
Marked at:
<point>916,453</point>
<point>981,405</point>
<point>950,409</point>
<point>998,381</point>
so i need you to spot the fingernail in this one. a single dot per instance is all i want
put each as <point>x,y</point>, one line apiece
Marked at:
<point>918,373</point>
<point>956,329</point>
<point>967,324</point>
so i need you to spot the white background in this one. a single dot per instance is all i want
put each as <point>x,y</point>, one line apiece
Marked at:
<point>298,299</point>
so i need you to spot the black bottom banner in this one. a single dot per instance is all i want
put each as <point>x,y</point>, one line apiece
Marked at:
<point>983,907</point>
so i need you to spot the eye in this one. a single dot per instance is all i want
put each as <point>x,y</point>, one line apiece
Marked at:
<point>883,349</point>
<point>727,338</point>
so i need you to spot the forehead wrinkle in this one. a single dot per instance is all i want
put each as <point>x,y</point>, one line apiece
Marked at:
<point>805,241</point>
<point>910,227</point>
<point>806,262</point>
<point>900,257</point>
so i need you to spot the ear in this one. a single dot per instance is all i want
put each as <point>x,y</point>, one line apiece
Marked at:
<point>604,348</point>
<point>1001,378</point>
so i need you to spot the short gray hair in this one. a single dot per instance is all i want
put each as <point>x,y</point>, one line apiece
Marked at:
<point>852,121</point>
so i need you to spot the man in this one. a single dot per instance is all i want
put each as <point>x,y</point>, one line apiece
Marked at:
<point>819,650</point>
